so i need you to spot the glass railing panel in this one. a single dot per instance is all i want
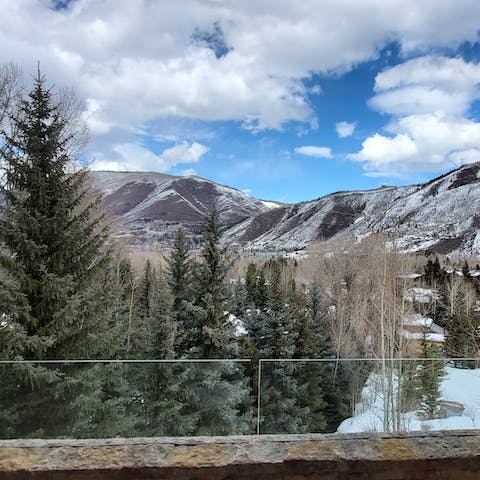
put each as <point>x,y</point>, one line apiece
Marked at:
<point>125,399</point>
<point>368,395</point>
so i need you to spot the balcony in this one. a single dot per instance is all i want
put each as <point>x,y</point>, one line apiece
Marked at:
<point>111,419</point>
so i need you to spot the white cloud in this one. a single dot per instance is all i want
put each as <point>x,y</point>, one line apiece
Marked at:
<point>137,62</point>
<point>345,129</point>
<point>426,142</point>
<point>189,172</point>
<point>311,151</point>
<point>471,155</point>
<point>427,84</point>
<point>421,99</point>
<point>429,98</point>
<point>435,71</point>
<point>184,153</point>
<point>134,157</point>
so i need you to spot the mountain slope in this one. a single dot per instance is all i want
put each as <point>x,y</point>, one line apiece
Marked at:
<point>151,206</point>
<point>442,215</point>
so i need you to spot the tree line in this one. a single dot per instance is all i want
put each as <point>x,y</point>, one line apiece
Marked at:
<point>65,294</point>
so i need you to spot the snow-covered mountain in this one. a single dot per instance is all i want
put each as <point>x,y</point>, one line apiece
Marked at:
<point>149,207</point>
<point>442,215</point>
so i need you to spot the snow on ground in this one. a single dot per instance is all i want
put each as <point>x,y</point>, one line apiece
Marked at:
<point>431,337</point>
<point>237,323</point>
<point>411,276</point>
<point>460,387</point>
<point>417,320</point>
<point>421,295</point>
<point>270,204</point>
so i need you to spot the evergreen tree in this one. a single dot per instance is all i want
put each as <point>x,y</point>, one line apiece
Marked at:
<point>238,303</point>
<point>179,277</point>
<point>124,293</point>
<point>434,273</point>
<point>54,258</point>
<point>166,388</point>
<point>311,375</point>
<point>280,411</point>
<point>261,290</point>
<point>333,382</point>
<point>220,393</point>
<point>460,341</point>
<point>216,335</point>
<point>459,321</point>
<point>251,284</point>
<point>429,374</point>
<point>146,291</point>
<point>141,310</point>
<point>466,270</point>
<point>53,242</point>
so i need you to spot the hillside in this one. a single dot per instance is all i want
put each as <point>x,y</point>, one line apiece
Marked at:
<point>442,215</point>
<point>149,207</point>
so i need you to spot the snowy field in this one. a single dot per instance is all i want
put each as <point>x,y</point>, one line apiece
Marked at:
<point>459,387</point>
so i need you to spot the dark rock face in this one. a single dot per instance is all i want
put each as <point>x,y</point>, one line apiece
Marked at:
<point>448,245</point>
<point>150,207</point>
<point>466,175</point>
<point>441,215</point>
<point>262,223</point>
<point>340,217</point>
<point>128,196</point>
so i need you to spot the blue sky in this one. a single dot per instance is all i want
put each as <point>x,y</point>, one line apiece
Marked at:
<point>285,100</point>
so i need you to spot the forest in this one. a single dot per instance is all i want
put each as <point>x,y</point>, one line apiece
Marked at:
<point>174,347</point>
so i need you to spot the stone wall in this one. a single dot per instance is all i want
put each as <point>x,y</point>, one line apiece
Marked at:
<point>447,455</point>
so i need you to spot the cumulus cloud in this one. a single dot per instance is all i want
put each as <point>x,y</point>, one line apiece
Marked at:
<point>429,98</point>
<point>426,142</point>
<point>136,62</point>
<point>466,156</point>
<point>135,157</point>
<point>427,84</point>
<point>189,172</point>
<point>311,151</point>
<point>434,71</point>
<point>242,60</point>
<point>345,129</point>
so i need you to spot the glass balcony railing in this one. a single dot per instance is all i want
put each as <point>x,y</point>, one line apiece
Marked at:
<point>368,395</point>
<point>103,399</point>
<point>143,398</point>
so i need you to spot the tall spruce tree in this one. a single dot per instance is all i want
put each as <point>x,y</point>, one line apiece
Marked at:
<point>220,392</point>
<point>216,334</point>
<point>460,341</point>
<point>281,411</point>
<point>429,376</point>
<point>336,381</point>
<point>165,391</point>
<point>179,277</point>
<point>53,245</point>
<point>53,256</point>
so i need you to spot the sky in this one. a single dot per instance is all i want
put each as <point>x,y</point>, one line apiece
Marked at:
<point>284,100</point>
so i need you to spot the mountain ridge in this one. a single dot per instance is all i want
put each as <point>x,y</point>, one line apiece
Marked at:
<point>150,206</point>
<point>434,215</point>
<point>441,214</point>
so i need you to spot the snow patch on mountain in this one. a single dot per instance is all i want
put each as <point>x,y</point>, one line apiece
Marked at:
<point>441,215</point>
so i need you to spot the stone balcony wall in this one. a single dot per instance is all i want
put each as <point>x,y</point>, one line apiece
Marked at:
<point>419,456</point>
